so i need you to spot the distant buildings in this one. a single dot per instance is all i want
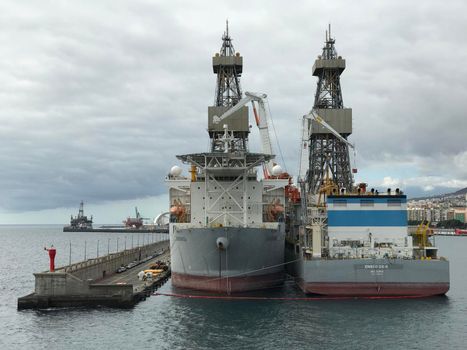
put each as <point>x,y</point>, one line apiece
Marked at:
<point>436,209</point>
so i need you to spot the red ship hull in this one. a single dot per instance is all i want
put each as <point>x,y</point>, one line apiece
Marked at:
<point>375,289</point>
<point>227,285</point>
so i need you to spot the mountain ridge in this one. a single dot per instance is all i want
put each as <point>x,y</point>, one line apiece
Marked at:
<point>460,192</point>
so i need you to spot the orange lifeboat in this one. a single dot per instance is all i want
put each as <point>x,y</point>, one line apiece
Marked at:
<point>275,209</point>
<point>178,210</point>
<point>292,192</point>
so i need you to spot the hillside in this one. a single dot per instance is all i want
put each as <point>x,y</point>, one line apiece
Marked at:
<point>460,192</point>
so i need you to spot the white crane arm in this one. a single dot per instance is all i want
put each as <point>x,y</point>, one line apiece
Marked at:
<point>304,148</point>
<point>250,96</point>
<point>216,119</point>
<point>261,121</point>
<point>313,116</point>
<point>263,127</point>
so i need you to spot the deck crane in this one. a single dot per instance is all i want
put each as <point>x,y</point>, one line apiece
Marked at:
<point>313,116</point>
<point>271,170</point>
<point>261,122</point>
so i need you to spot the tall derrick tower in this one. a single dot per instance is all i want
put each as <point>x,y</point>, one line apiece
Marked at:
<point>328,156</point>
<point>228,65</point>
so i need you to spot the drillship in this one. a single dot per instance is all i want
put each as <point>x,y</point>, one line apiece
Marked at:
<point>342,239</point>
<point>227,228</point>
<point>358,245</point>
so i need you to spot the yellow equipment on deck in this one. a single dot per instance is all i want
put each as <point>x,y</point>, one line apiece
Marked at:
<point>421,235</point>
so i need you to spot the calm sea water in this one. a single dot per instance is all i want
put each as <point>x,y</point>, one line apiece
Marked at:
<point>169,323</point>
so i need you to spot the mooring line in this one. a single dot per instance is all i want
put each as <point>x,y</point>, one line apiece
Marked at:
<point>245,298</point>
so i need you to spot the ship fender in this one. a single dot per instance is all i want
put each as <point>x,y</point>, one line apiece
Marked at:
<point>222,243</point>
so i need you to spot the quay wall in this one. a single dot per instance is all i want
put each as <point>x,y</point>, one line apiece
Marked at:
<point>80,278</point>
<point>99,268</point>
<point>85,283</point>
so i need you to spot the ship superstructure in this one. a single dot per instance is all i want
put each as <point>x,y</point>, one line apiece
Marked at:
<point>226,227</point>
<point>343,239</point>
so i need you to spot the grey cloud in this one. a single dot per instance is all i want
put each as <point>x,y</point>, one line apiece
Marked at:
<point>97,98</point>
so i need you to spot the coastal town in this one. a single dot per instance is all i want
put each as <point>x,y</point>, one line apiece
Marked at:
<point>447,208</point>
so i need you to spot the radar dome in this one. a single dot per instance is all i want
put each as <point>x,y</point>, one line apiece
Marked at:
<point>276,170</point>
<point>175,170</point>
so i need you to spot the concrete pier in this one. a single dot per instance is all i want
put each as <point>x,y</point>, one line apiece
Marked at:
<point>118,229</point>
<point>94,282</point>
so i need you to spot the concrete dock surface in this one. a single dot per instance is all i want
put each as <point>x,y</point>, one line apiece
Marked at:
<point>130,276</point>
<point>95,282</point>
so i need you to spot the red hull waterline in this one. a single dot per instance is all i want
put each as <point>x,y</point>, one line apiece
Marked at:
<point>375,289</point>
<point>227,285</point>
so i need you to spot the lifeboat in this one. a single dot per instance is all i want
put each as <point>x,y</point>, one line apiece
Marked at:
<point>178,210</point>
<point>275,209</point>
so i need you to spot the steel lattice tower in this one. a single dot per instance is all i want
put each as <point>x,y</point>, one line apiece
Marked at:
<point>228,66</point>
<point>328,156</point>
<point>228,91</point>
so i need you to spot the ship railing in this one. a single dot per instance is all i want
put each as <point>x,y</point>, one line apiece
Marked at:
<point>99,260</point>
<point>185,226</point>
<point>366,257</point>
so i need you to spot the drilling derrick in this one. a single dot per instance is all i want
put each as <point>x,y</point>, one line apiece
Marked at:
<point>228,66</point>
<point>329,156</point>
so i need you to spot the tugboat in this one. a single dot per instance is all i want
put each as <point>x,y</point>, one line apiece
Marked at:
<point>79,222</point>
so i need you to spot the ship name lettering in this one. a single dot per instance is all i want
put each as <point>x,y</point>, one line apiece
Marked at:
<point>376,266</point>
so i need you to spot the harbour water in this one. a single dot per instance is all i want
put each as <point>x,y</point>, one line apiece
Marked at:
<point>163,322</point>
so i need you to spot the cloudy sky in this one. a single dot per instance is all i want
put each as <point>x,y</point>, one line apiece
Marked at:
<point>97,97</point>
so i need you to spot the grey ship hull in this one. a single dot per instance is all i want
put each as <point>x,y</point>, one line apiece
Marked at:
<point>252,260</point>
<point>372,277</point>
<point>356,277</point>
